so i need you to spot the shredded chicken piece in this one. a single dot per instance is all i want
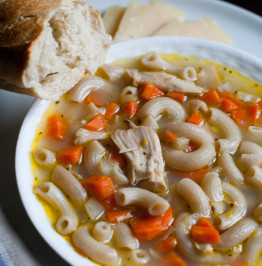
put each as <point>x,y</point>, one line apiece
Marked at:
<point>142,149</point>
<point>164,81</point>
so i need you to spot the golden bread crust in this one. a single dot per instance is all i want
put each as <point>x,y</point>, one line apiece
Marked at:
<point>21,22</point>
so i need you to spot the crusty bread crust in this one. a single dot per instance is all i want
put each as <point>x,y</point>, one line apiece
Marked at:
<point>23,27</point>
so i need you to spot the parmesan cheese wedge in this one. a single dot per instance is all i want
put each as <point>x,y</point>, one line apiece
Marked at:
<point>144,20</point>
<point>112,18</point>
<point>205,28</point>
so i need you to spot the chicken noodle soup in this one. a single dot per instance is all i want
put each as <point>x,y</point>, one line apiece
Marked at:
<point>156,161</point>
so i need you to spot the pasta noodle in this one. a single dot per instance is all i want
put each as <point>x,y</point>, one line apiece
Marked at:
<point>255,132</point>
<point>139,256</point>
<point>69,184</point>
<point>128,94</point>
<point>44,156</point>
<point>99,252</point>
<point>155,204</point>
<point>150,121</point>
<point>84,87</point>
<point>189,161</point>
<point>208,77</point>
<point>238,209</point>
<point>102,231</point>
<point>254,176</point>
<point>113,72</point>
<point>186,247</point>
<point>253,246</point>
<point>236,234</point>
<point>257,213</point>
<point>250,147</point>
<point>195,196</point>
<point>196,105</point>
<point>154,61</point>
<point>94,163</point>
<point>161,105</point>
<point>248,160</point>
<point>232,136</point>
<point>68,221</point>
<point>124,237</point>
<point>212,186</point>
<point>230,170</point>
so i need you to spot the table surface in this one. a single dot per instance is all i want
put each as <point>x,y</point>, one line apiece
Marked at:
<point>11,204</point>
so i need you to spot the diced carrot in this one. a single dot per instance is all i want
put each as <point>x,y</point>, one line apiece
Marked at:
<point>253,112</point>
<point>118,157</point>
<point>228,105</point>
<point>170,137</point>
<point>178,96</point>
<point>231,97</point>
<point>192,146</point>
<point>110,203</point>
<point>97,123</point>
<point>70,155</point>
<point>240,116</point>
<point>211,97</point>
<point>205,234</point>
<point>101,187</point>
<point>171,259</point>
<point>150,91</point>
<point>130,108</point>
<point>94,98</point>
<point>118,216</point>
<point>111,110</point>
<point>239,263</point>
<point>166,244</point>
<point>196,175</point>
<point>148,227</point>
<point>56,127</point>
<point>205,222</point>
<point>195,118</point>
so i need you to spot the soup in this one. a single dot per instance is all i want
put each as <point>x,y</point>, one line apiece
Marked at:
<point>156,161</point>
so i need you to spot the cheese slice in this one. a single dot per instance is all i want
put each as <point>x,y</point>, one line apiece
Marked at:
<point>143,20</point>
<point>112,18</point>
<point>205,28</point>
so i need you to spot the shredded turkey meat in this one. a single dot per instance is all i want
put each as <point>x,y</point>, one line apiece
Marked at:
<point>142,150</point>
<point>164,81</point>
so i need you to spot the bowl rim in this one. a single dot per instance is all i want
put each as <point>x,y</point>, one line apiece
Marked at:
<point>243,62</point>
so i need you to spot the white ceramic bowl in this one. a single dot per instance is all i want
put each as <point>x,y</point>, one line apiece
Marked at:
<point>226,55</point>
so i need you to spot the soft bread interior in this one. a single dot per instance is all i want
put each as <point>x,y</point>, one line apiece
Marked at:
<point>72,43</point>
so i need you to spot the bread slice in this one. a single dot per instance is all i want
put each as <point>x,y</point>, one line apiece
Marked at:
<point>46,46</point>
<point>205,28</point>
<point>143,20</point>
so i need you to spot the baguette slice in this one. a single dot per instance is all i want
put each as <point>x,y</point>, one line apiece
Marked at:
<point>205,28</point>
<point>46,46</point>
